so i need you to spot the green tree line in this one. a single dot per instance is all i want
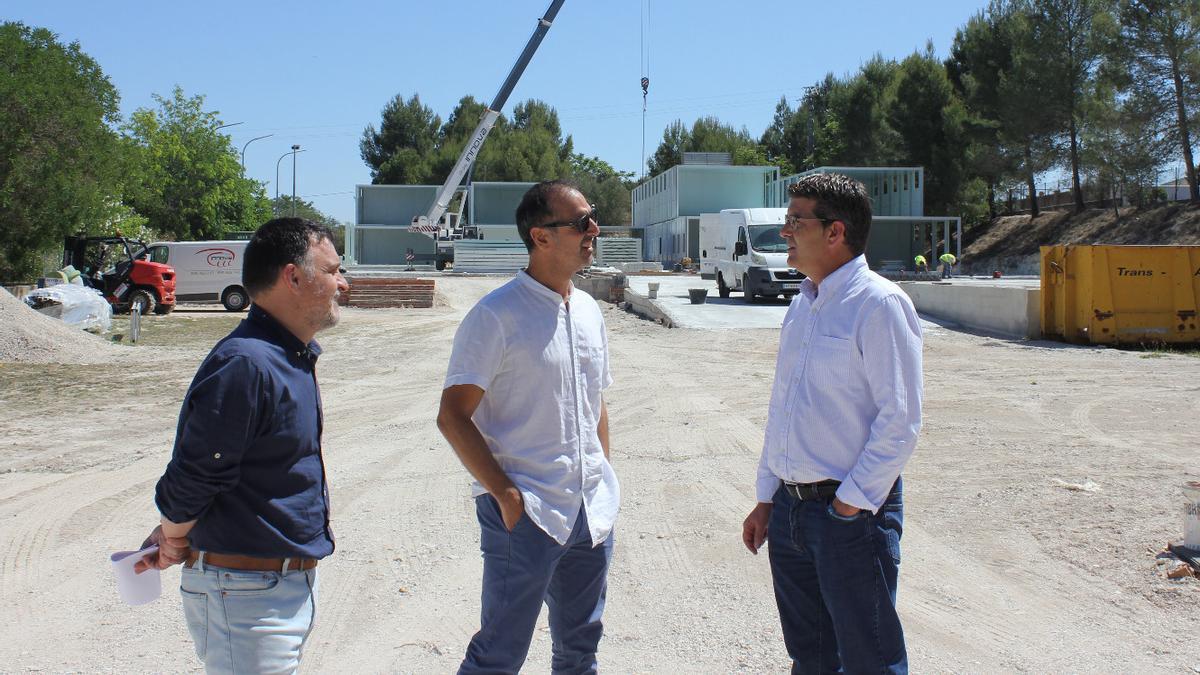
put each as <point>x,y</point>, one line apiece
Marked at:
<point>1104,92</point>
<point>413,146</point>
<point>69,163</point>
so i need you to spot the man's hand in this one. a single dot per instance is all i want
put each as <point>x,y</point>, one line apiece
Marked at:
<point>512,507</point>
<point>754,528</point>
<point>171,551</point>
<point>843,509</point>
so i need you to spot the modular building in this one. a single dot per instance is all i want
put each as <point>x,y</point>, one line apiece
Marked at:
<point>667,208</point>
<point>383,213</point>
<point>899,227</point>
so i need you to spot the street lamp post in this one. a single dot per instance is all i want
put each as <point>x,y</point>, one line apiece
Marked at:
<point>277,169</point>
<point>256,138</point>
<point>295,149</point>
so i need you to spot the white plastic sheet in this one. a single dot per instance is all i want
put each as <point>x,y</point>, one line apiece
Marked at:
<point>77,306</point>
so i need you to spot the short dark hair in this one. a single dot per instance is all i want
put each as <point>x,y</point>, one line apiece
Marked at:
<point>841,198</point>
<point>535,207</point>
<point>278,243</point>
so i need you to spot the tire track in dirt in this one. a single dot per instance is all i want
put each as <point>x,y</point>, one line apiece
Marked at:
<point>53,526</point>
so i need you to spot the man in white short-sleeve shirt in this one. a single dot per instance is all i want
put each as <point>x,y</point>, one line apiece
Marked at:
<point>522,407</point>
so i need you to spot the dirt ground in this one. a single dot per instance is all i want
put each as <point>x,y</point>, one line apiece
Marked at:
<point>1007,565</point>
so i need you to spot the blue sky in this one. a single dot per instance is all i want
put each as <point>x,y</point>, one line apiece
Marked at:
<point>316,73</point>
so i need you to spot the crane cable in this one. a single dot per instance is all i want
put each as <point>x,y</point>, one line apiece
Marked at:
<point>644,26</point>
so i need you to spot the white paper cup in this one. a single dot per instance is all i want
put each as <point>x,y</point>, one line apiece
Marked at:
<point>135,589</point>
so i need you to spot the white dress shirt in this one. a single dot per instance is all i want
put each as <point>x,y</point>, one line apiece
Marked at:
<point>542,364</point>
<point>846,403</point>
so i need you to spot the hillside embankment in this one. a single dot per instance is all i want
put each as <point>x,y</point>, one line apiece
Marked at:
<point>1010,244</point>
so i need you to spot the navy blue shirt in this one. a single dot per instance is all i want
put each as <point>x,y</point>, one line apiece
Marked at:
<point>247,462</point>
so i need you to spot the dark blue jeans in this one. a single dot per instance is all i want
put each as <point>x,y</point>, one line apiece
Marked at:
<point>835,585</point>
<point>525,567</point>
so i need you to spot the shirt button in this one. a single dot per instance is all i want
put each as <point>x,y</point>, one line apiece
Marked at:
<point>216,455</point>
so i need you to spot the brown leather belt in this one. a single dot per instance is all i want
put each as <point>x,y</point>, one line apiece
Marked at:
<point>249,563</point>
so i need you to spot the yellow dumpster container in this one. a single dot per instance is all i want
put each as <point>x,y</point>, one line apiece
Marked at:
<point>1121,294</point>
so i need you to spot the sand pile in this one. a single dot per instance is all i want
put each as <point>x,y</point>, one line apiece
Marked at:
<point>30,337</point>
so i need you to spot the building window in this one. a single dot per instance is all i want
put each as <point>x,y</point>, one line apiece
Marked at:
<point>917,179</point>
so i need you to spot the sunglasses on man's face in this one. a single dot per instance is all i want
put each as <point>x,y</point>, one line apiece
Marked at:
<point>581,224</point>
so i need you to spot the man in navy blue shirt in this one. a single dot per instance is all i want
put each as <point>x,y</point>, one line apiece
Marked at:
<point>244,500</point>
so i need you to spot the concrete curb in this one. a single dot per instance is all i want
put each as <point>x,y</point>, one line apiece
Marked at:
<point>1011,311</point>
<point>646,308</point>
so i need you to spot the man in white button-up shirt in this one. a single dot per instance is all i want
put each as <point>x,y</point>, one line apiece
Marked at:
<point>522,407</point>
<point>843,420</point>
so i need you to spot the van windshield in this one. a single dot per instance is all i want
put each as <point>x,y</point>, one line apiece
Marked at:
<point>159,254</point>
<point>766,239</point>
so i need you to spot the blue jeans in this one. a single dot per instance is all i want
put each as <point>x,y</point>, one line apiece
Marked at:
<point>248,622</point>
<point>525,567</point>
<point>835,585</point>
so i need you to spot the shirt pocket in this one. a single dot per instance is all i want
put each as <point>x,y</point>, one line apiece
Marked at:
<point>829,361</point>
<point>591,366</point>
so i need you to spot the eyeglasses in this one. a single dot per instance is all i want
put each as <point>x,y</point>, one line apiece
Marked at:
<point>581,224</point>
<point>792,222</point>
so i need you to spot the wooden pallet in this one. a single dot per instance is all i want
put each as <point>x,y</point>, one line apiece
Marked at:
<point>373,292</point>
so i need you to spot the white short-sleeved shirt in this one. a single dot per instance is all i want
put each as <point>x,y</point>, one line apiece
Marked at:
<point>542,364</point>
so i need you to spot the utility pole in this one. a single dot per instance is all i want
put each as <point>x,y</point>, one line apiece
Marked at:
<point>295,149</point>
<point>277,171</point>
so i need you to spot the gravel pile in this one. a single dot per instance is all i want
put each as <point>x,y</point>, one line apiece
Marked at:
<point>29,337</point>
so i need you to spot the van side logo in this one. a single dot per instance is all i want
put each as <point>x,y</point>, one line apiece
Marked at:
<point>218,257</point>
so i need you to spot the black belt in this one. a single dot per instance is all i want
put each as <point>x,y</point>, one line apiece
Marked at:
<point>812,491</point>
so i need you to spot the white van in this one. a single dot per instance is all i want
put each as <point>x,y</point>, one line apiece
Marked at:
<point>205,271</point>
<point>743,250</point>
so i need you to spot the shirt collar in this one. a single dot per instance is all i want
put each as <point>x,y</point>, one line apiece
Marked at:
<point>284,337</point>
<point>537,288</point>
<point>835,281</point>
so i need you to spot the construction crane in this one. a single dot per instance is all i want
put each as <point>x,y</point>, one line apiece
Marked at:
<point>432,223</point>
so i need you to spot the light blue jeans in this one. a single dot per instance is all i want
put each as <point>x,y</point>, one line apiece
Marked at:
<point>248,622</point>
<point>521,570</point>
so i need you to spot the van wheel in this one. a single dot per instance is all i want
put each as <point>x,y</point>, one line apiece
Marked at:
<point>162,309</point>
<point>235,299</point>
<point>141,301</point>
<point>440,265</point>
<point>747,289</point>
<point>722,289</point>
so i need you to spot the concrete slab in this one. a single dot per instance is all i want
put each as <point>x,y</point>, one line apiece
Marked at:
<point>673,305</point>
<point>1007,306</point>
